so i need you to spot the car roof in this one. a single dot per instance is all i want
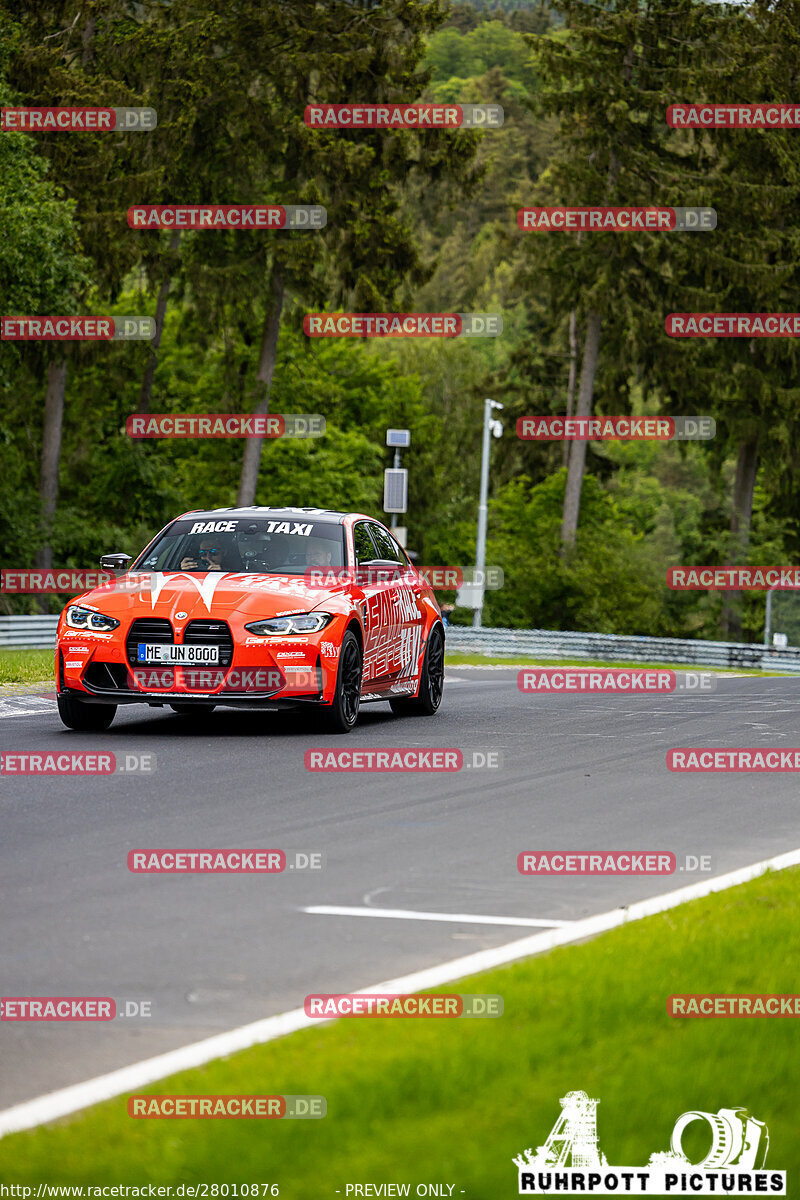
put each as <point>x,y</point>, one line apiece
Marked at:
<point>256,511</point>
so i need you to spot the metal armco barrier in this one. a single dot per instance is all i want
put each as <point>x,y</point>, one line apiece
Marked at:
<point>29,633</point>
<point>39,633</point>
<point>612,647</point>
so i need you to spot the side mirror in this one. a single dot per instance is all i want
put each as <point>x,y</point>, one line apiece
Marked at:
<point>115,562</point>
<point>378,570</point>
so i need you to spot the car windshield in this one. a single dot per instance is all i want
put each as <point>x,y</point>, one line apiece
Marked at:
<point>274,547</point>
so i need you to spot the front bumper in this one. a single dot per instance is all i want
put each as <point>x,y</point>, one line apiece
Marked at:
<point>269,700</point>
<point>104,672</point>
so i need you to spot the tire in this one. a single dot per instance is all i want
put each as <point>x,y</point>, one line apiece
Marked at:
<point>342,714</point>
<point>85,717</point>
<point>192,710</point>
<point>431,685</point>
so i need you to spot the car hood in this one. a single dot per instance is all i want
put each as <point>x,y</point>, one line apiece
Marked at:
<point>216,593</point>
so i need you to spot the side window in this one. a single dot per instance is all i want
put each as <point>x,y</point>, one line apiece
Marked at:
<point>387,547</point>
<point>166,555</point>
<point>401,554</point>
<point>365,551</point>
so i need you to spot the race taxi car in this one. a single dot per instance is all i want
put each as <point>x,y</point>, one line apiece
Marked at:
<point>254,607</point>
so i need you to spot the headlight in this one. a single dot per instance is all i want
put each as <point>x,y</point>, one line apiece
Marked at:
<point>86,618</point>
<point>296,623</point>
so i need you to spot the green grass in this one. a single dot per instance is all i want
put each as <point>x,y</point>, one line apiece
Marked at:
<point>26,666</point>
<point>453,1101</point>
<point>525,660</point>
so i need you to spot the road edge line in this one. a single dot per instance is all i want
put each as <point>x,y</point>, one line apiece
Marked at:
<point>53,1105</point>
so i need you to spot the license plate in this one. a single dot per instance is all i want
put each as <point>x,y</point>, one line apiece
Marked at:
<point>160,653</point>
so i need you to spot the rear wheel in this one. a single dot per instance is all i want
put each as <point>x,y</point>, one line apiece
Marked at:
<point>341,716</point>
<point>192,710</point>
<point>431,685</point>
<point>76,714</point>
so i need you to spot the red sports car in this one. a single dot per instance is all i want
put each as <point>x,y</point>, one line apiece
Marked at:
<point>255,607</point>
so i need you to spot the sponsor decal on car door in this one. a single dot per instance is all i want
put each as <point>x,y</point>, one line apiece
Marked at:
<point>412,620</point>
<point>392,615</point>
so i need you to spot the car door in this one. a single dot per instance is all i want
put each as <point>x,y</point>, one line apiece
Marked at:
<point>367,587</point>
<point>403,618</point>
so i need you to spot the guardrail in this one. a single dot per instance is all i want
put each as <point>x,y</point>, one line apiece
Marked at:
<point>612,647</point>
<point>29,633</point>
<point>39,633</point>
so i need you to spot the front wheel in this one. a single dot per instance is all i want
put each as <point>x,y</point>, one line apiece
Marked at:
<point>431,685</point>
<point>85,717</point>
<point>340,717</point>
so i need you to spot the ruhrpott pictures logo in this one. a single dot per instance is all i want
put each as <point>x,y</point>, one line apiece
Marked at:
<point>570,1162</point>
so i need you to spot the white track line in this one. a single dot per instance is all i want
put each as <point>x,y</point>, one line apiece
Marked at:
<point>25,705</point>
<point>141,1074</point>
<point>22,712</point>
<point>407,914</point>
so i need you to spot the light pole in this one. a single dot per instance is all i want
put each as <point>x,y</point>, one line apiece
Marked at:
<point>494,427</point>
<point>395,479</point>
<point>396,467</point>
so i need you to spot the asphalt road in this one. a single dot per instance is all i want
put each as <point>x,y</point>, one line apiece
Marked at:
<point>211,952</point>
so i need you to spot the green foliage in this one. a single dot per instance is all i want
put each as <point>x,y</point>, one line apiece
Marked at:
<point>657,509</point>
<point>117,492</point>
<point>421,223</point>
<point>490,44</point>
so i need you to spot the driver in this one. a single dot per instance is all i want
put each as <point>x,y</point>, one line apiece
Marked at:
<point>318,553</point>
<point>209,557</point>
